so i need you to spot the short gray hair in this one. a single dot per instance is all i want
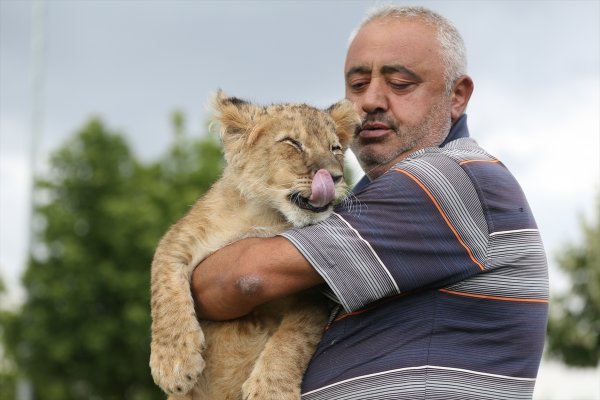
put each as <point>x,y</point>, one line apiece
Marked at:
<point>453,50</point>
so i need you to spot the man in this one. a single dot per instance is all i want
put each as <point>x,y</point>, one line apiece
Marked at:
<point>437,263</point>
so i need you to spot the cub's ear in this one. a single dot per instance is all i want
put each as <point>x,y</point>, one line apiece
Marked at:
<point>237,120</point>
<point>346,120</point>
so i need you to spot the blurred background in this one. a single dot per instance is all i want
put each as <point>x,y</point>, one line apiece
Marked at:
<point>104,135</point>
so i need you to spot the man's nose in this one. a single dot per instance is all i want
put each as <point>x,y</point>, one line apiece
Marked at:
<point>374,99</point>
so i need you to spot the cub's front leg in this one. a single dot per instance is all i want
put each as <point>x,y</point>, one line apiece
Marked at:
<point>177,339</point>
<point>278,372</point>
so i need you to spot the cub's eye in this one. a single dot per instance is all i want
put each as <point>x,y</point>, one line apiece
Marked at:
<point>294,143</point>
<point>337,150</point>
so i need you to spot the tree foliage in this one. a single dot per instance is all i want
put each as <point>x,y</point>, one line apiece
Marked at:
<point>574,326</point>
<point>8,378</point>
<point>83,331</point>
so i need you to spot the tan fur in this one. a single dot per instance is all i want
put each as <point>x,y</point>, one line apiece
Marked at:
<point>263,355</point>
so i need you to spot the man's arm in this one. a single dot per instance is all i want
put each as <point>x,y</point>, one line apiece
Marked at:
<point>234,280</point>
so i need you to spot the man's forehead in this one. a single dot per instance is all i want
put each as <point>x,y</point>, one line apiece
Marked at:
<point>399,23</point>
<point>398,42</point>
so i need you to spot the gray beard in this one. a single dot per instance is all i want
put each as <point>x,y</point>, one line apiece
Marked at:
<point>431,132</point>
<point>369,160</point>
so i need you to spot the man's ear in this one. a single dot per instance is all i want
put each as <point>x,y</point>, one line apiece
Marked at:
<point>461,93</point>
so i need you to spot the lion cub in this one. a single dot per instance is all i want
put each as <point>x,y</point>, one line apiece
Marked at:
<point>284,168</point>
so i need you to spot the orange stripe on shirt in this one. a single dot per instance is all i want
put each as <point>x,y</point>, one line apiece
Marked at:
<point>470,161</point>
<point>372,305</point>
<point>481,296</point>
<point>414,178</point>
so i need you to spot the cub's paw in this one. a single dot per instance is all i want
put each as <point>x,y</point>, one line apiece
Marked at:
<point>176,363</point>
<point>256,388</point>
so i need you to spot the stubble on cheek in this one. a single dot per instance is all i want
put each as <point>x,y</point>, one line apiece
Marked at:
<point>374,152</point>
<point>428,132</point>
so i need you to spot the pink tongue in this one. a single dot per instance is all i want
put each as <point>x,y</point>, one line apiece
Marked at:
<point>323,189</point>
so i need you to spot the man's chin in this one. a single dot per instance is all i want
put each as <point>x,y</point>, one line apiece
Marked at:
<point>368,161</point>
<point>374,152</point>
<point>378,155</point>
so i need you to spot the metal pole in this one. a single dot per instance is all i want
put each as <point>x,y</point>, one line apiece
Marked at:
<point>24,389</point>
<point>36,86</point>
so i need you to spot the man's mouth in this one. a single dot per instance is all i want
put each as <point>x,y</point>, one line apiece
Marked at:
<point>374,130</point>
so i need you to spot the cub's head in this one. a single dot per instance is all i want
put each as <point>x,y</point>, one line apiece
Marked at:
<point>289,157</point>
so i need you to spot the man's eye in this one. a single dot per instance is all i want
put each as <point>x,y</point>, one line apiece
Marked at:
<point>294,143</point>
<point>356,86</point>
<point>400,85</point>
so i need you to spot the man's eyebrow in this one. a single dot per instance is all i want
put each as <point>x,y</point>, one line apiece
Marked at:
<point>360,69</point>
<point>385,70</point>
<point>391,69</point>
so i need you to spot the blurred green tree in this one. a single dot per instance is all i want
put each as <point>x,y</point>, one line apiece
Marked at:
<point>574,325</point>
<point>8,374</point>
<point>84,330</point>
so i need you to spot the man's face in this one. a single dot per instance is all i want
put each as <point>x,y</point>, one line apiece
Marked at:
<point>395,78</point>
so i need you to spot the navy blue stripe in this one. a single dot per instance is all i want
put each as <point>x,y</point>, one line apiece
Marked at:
<point>432,328</point>
<point>502,197</point>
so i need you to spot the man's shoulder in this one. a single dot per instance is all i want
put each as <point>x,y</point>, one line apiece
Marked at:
<point>459,150</point>
<point>447,161</point>
<point>458,161</point>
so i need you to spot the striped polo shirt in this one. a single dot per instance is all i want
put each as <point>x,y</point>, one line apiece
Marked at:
<point>441,275</point>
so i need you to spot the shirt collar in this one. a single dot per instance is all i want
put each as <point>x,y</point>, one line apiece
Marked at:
<point>458,130</point>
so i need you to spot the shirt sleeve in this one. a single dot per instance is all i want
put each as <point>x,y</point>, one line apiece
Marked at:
<point>420,225</point>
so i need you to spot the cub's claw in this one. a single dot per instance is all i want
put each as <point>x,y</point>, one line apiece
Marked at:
<point>177,364</point>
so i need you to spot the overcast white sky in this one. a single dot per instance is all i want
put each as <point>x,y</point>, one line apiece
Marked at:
<point>535,64</point>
